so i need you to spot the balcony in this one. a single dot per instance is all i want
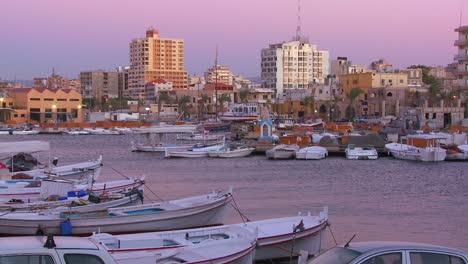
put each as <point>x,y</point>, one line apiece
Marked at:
<point>460,57</point>
<point>461,42</point>
<point>462,29</point>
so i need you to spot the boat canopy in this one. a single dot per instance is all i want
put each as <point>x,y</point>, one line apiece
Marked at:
<point>24,146</point>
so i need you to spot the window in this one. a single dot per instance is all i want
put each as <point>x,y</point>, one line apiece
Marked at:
<point>82,258</point>
<point>27,259</point>
<point>61,99</point>
<point>34,99</point>
<point>74,100</point>
<point>23,115</point>
<point>48,99</point>
<point>391,258</point>
<point>389,94</point>
<point>434,258</point>
<point>48,113</point>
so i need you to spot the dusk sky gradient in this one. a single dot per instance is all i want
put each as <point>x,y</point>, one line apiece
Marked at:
<point>77,35</point>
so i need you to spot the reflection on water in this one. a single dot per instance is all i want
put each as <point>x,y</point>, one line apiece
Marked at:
<point>385,199</point>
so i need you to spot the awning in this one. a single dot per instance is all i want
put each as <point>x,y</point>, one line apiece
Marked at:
<point>24,146</point>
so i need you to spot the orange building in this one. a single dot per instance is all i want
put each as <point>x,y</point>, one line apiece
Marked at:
<point>154,58</point>
<point>45,105</point>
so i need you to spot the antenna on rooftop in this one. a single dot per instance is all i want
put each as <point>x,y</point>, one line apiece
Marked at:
<point>461,15</point>
<point>298,27</point>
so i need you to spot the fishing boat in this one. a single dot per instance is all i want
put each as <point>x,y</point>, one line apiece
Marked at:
<point>160,147</point>
<point>227,152</point>
<point>76,132</point>
<point>276,238</point>
<point>26,165</point>
<point>196,211</point>
<point>366,152</point>
<point>102,131</point>
<point>455,152</point>
<point>197,151</point>
<point>199,137</point>
<point>42,189</point>
<point>164,129</point>
<point>282,151</point>
<point>240,112</point>
<point>77,202</point>
<point>312,153</point>
<point>55,249</point>
<point>420,147</point>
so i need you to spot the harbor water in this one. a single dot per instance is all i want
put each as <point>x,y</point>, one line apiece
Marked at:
<point>386,199</point>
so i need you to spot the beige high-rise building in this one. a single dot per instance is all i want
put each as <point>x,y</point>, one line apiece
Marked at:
<point>219,74</point>
<point>154,58</point>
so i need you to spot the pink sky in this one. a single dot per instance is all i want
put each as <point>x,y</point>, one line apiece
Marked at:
<point>76,35</point>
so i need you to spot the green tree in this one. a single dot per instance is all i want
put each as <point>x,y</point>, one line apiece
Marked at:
<point>202,108</point>
<point>308,103</point>
<point>184,102</point>
<point>222,99</point>
<point>352,95</point>
<point>163,98</point>
<point>243,94</point>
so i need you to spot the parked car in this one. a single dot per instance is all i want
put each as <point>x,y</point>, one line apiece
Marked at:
<point>379,252</point>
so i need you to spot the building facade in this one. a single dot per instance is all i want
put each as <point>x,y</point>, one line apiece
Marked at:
<point>99,83</point>
<point>293,65</point>
<point>462,70</point>
<point>46,105</point>
<point>154,58</point>
<point>219,74</point>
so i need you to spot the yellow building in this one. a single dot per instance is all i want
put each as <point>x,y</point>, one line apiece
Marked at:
<point>368,80</point>
<point>46,105</point>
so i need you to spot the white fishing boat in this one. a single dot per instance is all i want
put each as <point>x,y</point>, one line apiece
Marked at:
<point>55,249</point>
<point>80,170</point>
<point>168,239</point>
<point>199,137</point>
<point>282,152</point>
<point>39,190</point>
<point>76,132</point>
<point>240,112</point>
<point>198,151</point>
<point>165,129</point>
<point>78,202</point>
<point>276,237</point>
<point>102,131</point>
<point>25,132</point>
<point>160,147</point>
<point>421,147</point>
<point>360,153</point>
<point>231,153</point>
<point>312,153</point>
<point>459,152</point>
<point>196,211</point>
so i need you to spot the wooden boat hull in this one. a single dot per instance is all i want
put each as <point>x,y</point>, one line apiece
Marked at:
<point>204,215</point>
<point>237,153</point>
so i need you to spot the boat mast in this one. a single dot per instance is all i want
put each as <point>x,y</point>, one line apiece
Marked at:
<point>216,81</point>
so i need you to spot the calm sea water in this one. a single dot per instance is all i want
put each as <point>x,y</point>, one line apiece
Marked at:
<point>386,199</point>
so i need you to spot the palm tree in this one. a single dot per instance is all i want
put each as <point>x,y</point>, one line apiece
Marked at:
<point>352,96</point>
<point>184,104</point>
<point>243,94</point>
<point>224,98</point>
<point>203,100</point>
<point>162,98</point>
<point>307,102</point>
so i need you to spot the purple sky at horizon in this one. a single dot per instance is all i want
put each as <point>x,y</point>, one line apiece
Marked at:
<point>79,35</point>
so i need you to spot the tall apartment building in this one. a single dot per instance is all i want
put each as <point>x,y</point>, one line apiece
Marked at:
<point>293,65</point>
<point>53,82</point>
<point>123,72</point>
<point>154,58</point>
<point>462,59</point>
<point>99,83</point>
<point>219,74</point>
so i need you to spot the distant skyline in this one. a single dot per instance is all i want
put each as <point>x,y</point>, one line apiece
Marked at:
<point>79,35</point>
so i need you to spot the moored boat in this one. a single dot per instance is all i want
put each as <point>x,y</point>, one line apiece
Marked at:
<point>366,152</point>
<point>282,152</point>
<point>421,147</point>
<point>312,153</point>
<point>231,153</point>
<point>198,151</point>
<point>196,211</point>
<point>459,152</point>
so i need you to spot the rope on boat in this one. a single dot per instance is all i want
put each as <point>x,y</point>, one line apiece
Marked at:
<point>128,178</point>
<point>236,207</point>
<point>331,232</point>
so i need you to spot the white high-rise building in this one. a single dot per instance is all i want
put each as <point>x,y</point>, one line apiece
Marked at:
<point>293,65</point>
